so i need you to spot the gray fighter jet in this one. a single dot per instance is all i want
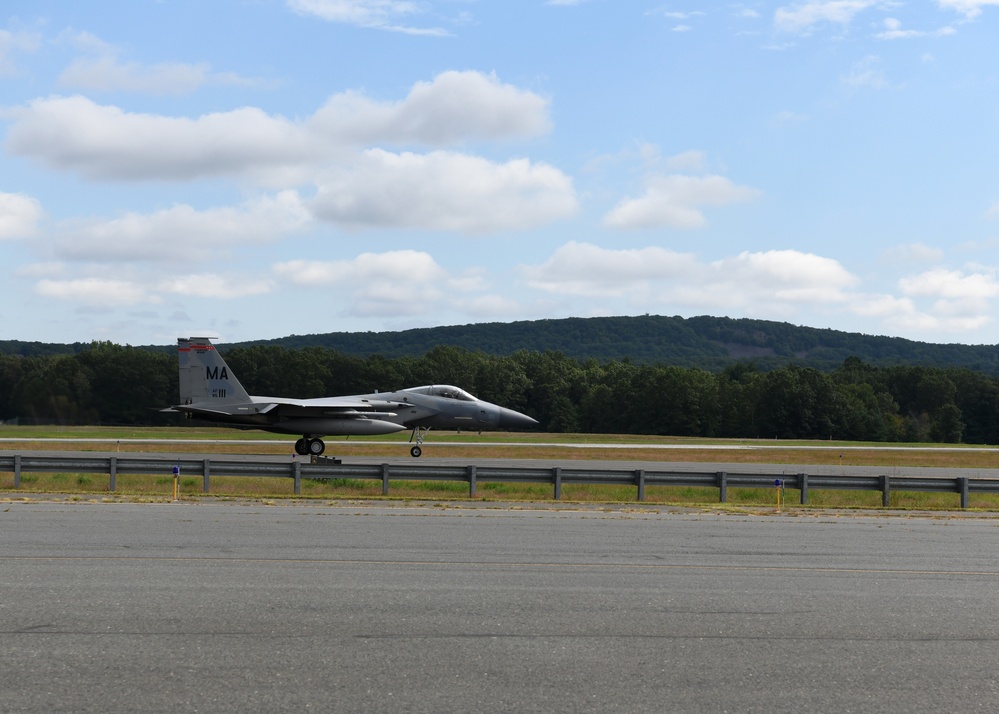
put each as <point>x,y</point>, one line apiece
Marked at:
<point>209,390</point>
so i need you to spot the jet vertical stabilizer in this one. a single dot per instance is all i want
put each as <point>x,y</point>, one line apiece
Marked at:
<point>204,375</point>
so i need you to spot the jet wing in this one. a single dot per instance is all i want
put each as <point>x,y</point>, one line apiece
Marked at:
<point>194,409</point>
<point>347,403</point>
<point>331,407</point>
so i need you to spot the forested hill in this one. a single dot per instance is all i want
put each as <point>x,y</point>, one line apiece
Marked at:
<point>710,343</point>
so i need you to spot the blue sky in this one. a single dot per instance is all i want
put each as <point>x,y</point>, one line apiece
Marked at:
<point>251,169</point>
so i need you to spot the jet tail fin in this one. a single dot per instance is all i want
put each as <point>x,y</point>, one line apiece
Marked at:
<point>204,375</point>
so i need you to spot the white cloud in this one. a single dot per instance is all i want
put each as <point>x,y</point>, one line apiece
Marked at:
<point>102,70</point>
<point>374,188</point>
<point>675,15</point>
<point>403,282</point>
<point>107,74</point>
<point>392,266</point>
<point>212,285</point>
<point>443,191</point>
<point>675,201</point>
<point>454,107</point>
<point>96,292</point>
<point>19,215</point>
<point>935,301</point>
<point>12,43</point>
<point>786,276</point>
<point>951,284</point>
<point>866,73</point>
<point>133,291</point>
<point>181,233</point>
<point>969,8</point>
<point>687,161</point>
<point>587,269</point>
<point>883,307</point>
<point>380,14</point>
<point>105,142</point>
<point>893,31</point>
<point>947,316</point>
<point>914,253</point>
<point>802,17</point>
<point>782,280</point>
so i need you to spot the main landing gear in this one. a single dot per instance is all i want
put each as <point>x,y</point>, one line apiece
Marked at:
<point>309,447</point>
<point>418,433</point>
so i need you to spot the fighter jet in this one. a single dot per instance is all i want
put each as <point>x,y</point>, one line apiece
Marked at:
<point>209,390</point>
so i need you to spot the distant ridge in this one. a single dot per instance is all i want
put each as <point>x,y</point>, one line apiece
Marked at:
<point>710,343</point>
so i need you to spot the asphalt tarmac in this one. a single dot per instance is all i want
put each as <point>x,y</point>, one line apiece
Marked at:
<point>112,607</point>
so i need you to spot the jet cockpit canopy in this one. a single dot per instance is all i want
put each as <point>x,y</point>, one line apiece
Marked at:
<point>446,391</point>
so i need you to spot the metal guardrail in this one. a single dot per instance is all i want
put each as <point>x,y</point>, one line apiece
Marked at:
<point>113,466</point>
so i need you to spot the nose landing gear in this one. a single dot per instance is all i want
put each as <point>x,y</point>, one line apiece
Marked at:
<point>418,433</point>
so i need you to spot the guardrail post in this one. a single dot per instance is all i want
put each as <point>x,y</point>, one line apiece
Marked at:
<point>113,473</point>
<point>722,486</point>
<point>640,478</point>
<point>17,471</point>
<point>557,474</point>
<point>471,481</point>
<point>962,482</point>
<point>297,472</point>
<point>885,491</point>
<point>206,471</point>
<point>803,485</point>
<point>385,473</point>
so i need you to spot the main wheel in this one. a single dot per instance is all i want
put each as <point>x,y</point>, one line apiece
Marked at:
<point>316,447</point>
<point>302,447</point>
<point>416,451</point>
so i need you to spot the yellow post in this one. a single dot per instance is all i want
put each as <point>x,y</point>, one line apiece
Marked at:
<point>777,485</point>
<point>176,483</point>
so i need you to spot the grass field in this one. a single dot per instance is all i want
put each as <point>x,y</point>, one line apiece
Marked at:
<point>489,445</point>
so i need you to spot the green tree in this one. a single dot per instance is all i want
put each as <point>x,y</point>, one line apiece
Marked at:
<point>128,385</point>
<point>739,386</point>
<point>554,389</point>
<point>54,389</point>
<point>799,403</point>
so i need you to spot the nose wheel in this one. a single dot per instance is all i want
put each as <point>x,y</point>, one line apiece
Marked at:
<point>418,434</point>
<point>309,447</point>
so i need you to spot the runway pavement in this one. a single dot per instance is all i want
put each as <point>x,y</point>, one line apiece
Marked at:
<point>362,608</point>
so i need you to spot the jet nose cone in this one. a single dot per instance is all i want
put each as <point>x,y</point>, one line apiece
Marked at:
<point>509,419</point>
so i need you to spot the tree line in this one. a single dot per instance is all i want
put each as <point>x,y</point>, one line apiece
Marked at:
<point>113,384</point>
